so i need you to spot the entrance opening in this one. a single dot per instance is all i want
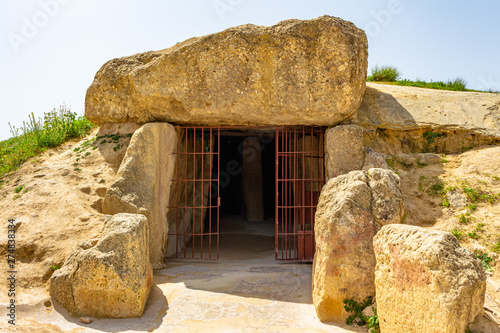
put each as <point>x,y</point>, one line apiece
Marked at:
<point>243,190</point>
<point>247,182</point>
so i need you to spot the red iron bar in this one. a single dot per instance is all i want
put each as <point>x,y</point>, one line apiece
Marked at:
<point>299,178</point>
<point>195,206</point>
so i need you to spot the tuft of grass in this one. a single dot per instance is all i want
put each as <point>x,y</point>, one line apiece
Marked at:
<point>37,135</point>
<point>473,235</point>
<point>54,267</point>
<point>496,247</point>
<point>457,233</point>
<point>384,74</point>
<point>19,188</point>
<point>464,218</point>
<point>458,84</point>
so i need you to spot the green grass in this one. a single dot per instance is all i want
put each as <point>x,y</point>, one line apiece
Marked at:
<point>391,75</point>
<point>458,84</point>
<point>485,260</point>
<point>37,135</point>
<point>384,74</point>
<point>457,233</point>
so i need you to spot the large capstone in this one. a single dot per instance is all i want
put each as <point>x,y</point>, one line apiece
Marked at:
<point>426,282</point>
<point>294,73</point>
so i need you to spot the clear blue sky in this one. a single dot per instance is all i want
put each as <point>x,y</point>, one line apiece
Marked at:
<point>55,63</point>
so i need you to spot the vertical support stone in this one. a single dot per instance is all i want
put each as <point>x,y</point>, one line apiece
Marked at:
<point>143,181</point>
<point>252,179</point>
<point>344,150</point>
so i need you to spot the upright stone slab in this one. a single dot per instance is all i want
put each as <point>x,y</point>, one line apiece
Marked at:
<point>344,261</point>
<point>294,73</point>
<point>349,214</point>
<point>253,179</point>
<point>425,281</point>
<point>344,150</point>
<point>111,279</point>
<point>142,184</point>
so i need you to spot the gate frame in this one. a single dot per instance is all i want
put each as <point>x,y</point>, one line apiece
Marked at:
<point>294,210</point>
<point>288,208</point>
<point>214,133</point>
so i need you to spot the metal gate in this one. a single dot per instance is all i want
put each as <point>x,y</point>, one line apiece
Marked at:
<point>299,179</point>
<point>194,204</point>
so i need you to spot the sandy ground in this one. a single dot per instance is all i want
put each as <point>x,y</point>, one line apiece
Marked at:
<point>246,291</point>
<point>60,205</point>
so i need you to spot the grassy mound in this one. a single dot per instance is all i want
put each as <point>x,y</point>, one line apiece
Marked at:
<point>37,135</point>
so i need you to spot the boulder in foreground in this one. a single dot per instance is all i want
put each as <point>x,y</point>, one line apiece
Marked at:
<point>351,210</point>
<point>111,279</point>
<point>425,281</point>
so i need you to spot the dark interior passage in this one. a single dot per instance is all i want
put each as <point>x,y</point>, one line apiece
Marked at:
<point>247,182</point>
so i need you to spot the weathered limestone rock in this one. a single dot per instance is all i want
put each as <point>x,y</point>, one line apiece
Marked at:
<point>344,150</point>
<point>294,73</point>
<point>252,179</point>
<point>142,184</point>
<point>344,262</point>
<point>111,279</point>
<point>399,107</point>
<point>387,200</point>
<point>429,158</point>
<point>425,281</point>
<point>375,160</point>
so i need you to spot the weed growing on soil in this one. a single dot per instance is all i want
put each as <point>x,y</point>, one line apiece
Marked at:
<point>485,260</point>
<point>358,318</point>
<point>37,135</point>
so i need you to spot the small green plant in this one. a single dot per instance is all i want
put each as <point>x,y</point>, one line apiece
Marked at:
<point>446,203</point>
<point>466,148</point>
<point>403,221</point>
<point>19,188</point>
<point>464,218</point>
<point>384,74</point>
<point>17,196</point>
<point>480,227</point>
<point>390,162</point>
<point>473,194</point>
<point>457,233</point>
<point>430,136</point>
<point>358,318</point>
<point>77,169</point>
<point>102,181</point>
<point>372,322</point>
<point>54,268</point>
<point>87,154</point>
<point>356,308</point>
<point>485,260</point>
<point>437,188</point>
<point>496,247</point>
<point>473,235</point>
<point>472,207</point>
